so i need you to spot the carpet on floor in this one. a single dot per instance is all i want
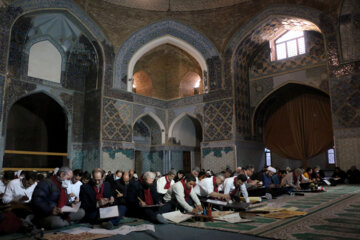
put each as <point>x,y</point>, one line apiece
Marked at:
<point>334,214</point>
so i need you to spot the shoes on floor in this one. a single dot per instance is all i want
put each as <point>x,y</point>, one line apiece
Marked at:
<point>107,225</point>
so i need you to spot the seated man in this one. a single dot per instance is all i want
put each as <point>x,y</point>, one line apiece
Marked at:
<point>209,187</point>
<point>165,182</point>
<point>50,196</point>
<point>248,171</point>
<point>294,179</point>
<point>182,195</point>
<point>8,176</point>
<point>73,189</point>
<point>142,194</point>
<point>97,194</point>
<point>195,172</point>
<point>20,190</point>
<point>236,185</point>
<point>265,177</point>
<point>120,188</point>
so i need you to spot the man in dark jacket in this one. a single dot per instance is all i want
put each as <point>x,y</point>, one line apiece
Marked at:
<point>141,195</point>
<point>97,194</point>
<point>48,199</point>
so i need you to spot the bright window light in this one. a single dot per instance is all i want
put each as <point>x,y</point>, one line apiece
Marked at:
<point>197,84</point>
<point>331,156</point>
<point>290,44</point>
<point>268,157</point>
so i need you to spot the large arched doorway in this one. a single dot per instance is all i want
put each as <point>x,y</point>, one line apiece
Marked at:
<point>295,122</point>
<point>36,134</point>
<point>147,135</point>
<point>186,134</point>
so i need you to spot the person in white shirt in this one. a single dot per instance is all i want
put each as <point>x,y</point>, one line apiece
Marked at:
<point>293,179</point>
<point>73,189</point>
<point>165,182</point>
<point>182,195</point>
<point>20,190</point>
<point>195,172</point>
<point>8,176</point>
<point>210,187</point>
<point>232,185</point>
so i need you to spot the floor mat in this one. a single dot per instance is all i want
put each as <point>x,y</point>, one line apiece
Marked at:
<point>335,213</point>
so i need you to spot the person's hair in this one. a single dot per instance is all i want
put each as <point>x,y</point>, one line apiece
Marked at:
<point>96,170</point>
<point>247,167</point>
<point>181,172</point>
<point>86,175</point>
<point>29,175</point>
<point>283,171</point>
<point>298,170</point>
<point>172,172</point>
<point>229,170</point>
<point>308,169</point>
<point>196,169</point>
<point>117,171</point>
<point>190,177</point>
<point>242,177</point>
<point>202,173</point>
<point>220,175</point>
<point>78,172</point>
<point>65,170</point>
<point>9,175</point>
<point>40,177</point>
<point>150,175</point>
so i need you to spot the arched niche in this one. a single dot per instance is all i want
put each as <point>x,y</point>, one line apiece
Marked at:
<point>166,72</point>
<point>36,125</point>
<point>155,127</point>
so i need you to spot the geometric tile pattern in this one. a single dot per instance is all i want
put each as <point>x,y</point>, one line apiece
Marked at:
<point>315,54</point>
<point>345,96</point>
<point>117,121</point>
<point>218,120</point>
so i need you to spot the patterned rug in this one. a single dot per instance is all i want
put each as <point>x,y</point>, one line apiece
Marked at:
<point>334,214</point>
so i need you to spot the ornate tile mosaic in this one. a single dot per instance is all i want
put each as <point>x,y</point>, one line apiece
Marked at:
<point>218,120</point>
<point>117,121</point>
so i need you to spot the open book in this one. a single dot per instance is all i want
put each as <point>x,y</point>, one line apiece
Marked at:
<point>177,216</point>
<point>65,209</point>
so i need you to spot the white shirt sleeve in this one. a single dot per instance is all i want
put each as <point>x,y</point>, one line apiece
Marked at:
<point>160,184</point>
<point>245,192</point>
<point>206,186</point>
<point>228,185</point>
<point>180,197</point>
<point>9,194</point>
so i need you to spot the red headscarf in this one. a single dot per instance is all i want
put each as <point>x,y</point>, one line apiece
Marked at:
<point>99,195</point>
<point>186,190</point>
<point>167,185</point>
<point>215,186</point>
<point>63,196</point>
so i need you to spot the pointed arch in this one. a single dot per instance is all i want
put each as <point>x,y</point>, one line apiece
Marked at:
<point>157,120</point>
<point>178,118</point>
<point>159,33</point>
<point>56,100</point>
<point>167,39</point>
<point>274,91</point>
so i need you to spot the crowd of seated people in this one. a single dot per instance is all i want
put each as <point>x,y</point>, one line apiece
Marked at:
<point>147,196</point>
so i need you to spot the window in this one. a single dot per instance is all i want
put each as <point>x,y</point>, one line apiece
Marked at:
<point>45,62</point>
<point>268,157</point>
<point>331,156</point>
<point>290,44</point>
